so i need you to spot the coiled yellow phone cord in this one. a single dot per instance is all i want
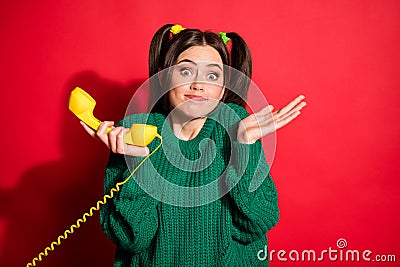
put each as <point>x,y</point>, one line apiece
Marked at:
<point>99,203</point>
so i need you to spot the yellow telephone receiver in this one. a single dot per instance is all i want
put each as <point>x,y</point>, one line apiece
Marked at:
<point>82,105</point>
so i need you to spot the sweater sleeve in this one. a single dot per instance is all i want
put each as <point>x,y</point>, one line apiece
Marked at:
<point>130,218</point>
<point>252,191</point>
<point>255,201</point>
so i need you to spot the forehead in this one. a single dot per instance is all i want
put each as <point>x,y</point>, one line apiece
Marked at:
<point>200,53</point>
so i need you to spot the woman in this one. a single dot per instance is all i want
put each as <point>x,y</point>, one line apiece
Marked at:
<point>206,198</point>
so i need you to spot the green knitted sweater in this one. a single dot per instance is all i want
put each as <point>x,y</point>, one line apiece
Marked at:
<point>156,225</point>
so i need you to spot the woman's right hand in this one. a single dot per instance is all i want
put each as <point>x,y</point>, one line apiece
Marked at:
<point>114,139</point>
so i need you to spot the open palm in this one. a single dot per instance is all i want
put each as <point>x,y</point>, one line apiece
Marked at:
<point>264,122</point>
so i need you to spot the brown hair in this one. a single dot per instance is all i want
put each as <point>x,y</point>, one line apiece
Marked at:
<point>164,51</point>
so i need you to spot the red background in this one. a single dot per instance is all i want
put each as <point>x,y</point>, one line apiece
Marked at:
<point>336,167</point>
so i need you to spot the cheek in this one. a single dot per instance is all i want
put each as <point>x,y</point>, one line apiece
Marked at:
<point>175,95</point>
<point>215,92</point>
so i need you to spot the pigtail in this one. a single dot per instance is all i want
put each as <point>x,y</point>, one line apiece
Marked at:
<point>158,47</point>
<point>240,58</point>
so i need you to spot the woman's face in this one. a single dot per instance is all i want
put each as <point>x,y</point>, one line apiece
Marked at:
<point>197,81</point>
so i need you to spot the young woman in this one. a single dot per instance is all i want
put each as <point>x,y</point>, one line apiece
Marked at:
<point>206,198</point>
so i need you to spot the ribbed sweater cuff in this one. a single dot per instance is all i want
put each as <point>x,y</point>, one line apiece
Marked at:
<point>135,210</point>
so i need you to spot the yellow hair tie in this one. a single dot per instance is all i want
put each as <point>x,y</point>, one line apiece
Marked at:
<point>176,29</point>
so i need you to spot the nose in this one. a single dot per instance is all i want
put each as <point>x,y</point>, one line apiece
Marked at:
<point>197,86</point>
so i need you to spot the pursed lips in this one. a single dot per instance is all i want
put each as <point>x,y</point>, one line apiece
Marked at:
<point>196,98</point>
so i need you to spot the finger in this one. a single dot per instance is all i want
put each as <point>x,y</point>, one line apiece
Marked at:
<point>291,105</point>
<point>101,132</point>
<point>266,116</point>
<point>89,130</point>
<point>112,138</point>
<point>282,122</point>
<point>104,126</point>
<point>299,106</point>
<point>120,144</point>
<point>123,148</point>
<point>132,150</point>
<point>295,109</point>
<point>266,110</point>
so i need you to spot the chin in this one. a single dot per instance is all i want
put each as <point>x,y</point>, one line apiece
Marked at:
<point>189,110</point>
<point>192,113</point>
<point>187,114</point>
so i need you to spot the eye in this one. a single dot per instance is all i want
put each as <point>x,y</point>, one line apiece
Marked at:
<point>212,76</point>
<point>185,72</point>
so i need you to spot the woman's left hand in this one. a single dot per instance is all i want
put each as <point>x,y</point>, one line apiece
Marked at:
<point>264,122</point>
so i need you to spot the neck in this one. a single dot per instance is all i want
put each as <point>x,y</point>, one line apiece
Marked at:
<point>185,128</point>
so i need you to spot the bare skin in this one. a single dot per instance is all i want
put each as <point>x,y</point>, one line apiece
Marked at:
<point>264,122</point>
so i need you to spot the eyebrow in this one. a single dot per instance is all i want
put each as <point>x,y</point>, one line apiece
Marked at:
<point>194,63</point>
